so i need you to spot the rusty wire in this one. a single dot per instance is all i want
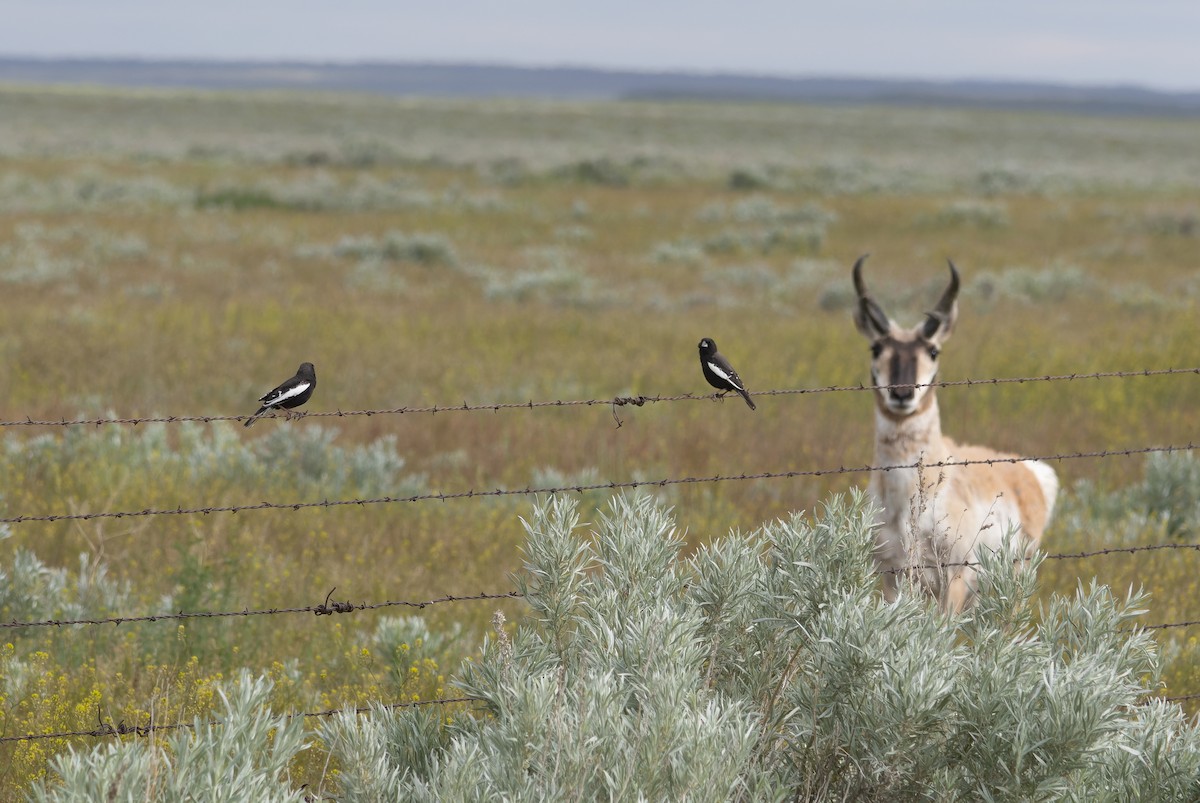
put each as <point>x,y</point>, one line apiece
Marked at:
<point>1120,550</point>
<point>327,608</point>
<point>614,402</point>
<point>1169,625</point>
<point>122,729</point>
<point>107,729</point>
<point>599,486</point>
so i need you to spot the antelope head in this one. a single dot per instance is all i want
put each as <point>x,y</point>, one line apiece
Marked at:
<point>904,356</point>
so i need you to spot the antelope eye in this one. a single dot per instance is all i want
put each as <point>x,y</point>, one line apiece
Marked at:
<point>876,350</point>
<point>933,352</point>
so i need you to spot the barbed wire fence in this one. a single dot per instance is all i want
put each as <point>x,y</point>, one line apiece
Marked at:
<point>326,608</point>
<point>122,729</point>
<point>614,402</point>
<point>106,729</point>
<point>330,606</point>
<point>581,488</point>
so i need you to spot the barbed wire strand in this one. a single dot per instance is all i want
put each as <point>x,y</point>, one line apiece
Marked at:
<point>328,608</point>
<point>1169,625</point>
<point>1120,550</point>
<point>105,729</point>
<point>614,402</point>
<point>121,729</point>
<point>599,486</point>
<point>324,609</point>
<point>348,607</point>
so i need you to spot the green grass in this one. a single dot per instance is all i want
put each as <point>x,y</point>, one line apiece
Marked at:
<point>180,253</point>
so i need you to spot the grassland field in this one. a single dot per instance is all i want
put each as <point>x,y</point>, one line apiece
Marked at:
<point>179,253</point>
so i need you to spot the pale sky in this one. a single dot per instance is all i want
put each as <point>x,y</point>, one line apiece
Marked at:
<point>1152,43</point>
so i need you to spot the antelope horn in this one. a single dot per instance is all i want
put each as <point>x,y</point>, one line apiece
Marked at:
<point>859,286</point>
<point>946,304</point>
<point>871,316</point>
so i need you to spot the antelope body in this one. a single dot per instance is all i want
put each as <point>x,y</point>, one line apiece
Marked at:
<point>931,514</point>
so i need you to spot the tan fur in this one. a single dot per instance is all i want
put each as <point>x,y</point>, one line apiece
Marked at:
<point>938,515</point>
<point>945,514</point>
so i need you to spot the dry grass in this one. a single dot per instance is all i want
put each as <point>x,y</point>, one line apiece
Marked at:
<point>182,253</point>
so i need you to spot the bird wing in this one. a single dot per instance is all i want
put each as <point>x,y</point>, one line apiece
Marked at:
<point>288,390</point>
<point>726,373</point>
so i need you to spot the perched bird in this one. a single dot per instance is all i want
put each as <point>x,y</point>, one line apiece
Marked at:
<point>292,393</point>
<point>720,373</point>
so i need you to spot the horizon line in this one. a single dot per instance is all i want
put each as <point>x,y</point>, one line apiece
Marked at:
<point>698,72</point>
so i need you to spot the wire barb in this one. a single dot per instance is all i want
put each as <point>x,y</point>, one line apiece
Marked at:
<point>325,609</point>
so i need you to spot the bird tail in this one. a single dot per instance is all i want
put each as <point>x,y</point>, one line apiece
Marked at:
<point>254,417</point>
<point>749,401</point>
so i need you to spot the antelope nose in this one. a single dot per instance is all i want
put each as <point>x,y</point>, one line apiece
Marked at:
<point>902,394</point>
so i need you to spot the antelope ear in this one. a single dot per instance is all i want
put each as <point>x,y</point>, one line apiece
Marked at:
<point>937,328</point>
<point>871,320</point>
<point>869,317</point>
<point>939,323</point>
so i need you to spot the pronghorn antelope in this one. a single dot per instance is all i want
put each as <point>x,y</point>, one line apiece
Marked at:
<point>938,514</point>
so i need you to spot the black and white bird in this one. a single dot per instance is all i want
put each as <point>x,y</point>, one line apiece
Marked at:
<point>292,393</point>
<point>720,373</point>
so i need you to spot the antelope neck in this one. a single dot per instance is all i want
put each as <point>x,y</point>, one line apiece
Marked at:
<point>905,438</point>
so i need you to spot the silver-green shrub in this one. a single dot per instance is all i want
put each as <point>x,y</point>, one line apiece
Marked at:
<point>601,696</point>
<point>31,590</point>
<point>1171,491</point>
<point>969,212</point>
<point>243,757</point>
<point>389,758</point>
<point>1167,499</point>
<point>307,458</point>
<point>765,666</point>
<point>1051,285</point>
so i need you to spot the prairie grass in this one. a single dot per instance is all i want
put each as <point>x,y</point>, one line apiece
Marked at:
<point>180,253</point>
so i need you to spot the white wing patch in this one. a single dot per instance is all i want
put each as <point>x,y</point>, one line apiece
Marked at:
<point>287,394</point>
<point>716,369</point>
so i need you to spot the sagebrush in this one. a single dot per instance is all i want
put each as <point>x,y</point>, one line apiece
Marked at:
<point>764,667</point>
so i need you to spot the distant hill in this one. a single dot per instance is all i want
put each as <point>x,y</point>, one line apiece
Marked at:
<point>578,83</point>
